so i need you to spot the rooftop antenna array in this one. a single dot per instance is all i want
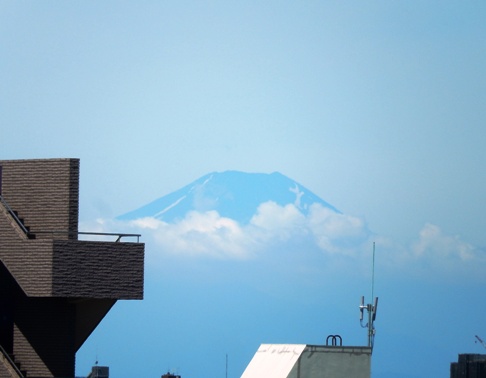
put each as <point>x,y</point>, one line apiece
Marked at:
<point>371,308</point>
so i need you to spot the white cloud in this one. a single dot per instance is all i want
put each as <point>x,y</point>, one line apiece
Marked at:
<point>206,234</point>
<point>332,232</point>
<point>337,233</point>
<point>146,223</point>
<point>274,228</point>
<point>433,243</point>
<point>433,255</point>
<point>275,222</point>
<point>209,234</point>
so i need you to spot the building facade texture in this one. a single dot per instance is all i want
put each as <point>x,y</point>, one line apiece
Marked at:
<point>469,366</point>
<point>55,289</point>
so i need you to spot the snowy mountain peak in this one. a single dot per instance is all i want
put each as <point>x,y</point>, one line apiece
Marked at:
<point>233,194</point>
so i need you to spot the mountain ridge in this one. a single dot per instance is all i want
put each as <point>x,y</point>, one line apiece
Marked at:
<point>233,194</point>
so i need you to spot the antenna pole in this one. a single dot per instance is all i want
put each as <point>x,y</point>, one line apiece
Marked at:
<point>373,274</point>
<point>371,308</point>
<point>370,325</point>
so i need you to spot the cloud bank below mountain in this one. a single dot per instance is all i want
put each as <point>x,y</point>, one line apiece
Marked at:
<point>210,234</point>
<point>432,254</point>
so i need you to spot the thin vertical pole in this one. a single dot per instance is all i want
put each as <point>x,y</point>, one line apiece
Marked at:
<point>226,365</point>
<point>373,275</point>
<point>370,325</point>
<point>371,308</point>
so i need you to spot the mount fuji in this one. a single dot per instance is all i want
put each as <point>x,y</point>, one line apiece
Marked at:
<point>232,194</point>
<point>237,259</point>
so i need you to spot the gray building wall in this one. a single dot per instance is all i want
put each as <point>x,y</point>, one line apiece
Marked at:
<point>333,362</point>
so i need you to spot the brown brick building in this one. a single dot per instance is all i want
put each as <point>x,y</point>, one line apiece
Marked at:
<point>54,288</point>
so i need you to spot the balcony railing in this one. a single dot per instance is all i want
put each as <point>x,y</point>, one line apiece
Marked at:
<point>31,234</point>
<point>70,233</point>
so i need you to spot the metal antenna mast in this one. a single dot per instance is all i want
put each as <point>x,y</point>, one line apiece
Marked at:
<point>371,308</point>
<point>373,273</point>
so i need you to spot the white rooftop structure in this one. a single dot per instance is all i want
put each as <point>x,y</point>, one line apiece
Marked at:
<point>273,360</point>
<point>309,361</point>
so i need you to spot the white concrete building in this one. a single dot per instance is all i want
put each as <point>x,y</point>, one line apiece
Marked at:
<point>309,361</point>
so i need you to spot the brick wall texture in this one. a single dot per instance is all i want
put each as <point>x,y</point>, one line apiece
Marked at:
<point>55,288</point>
<point>45,193</point>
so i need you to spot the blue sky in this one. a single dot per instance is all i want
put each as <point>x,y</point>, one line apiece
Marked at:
<point>377,107</point>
